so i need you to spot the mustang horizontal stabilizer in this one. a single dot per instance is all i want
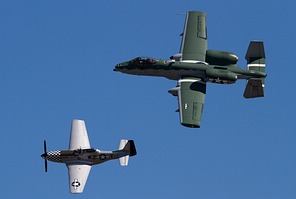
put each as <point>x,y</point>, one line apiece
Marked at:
<point>191,96</point>
<point>256,61</point>
<point>128,147</point>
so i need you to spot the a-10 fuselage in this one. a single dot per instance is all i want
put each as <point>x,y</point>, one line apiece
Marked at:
<point>176,70</point>
<point>86,156</point>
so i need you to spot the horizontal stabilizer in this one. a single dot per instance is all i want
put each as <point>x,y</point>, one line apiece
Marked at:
<point>254,88</point>
<point>124,160</point>
<point>122,144</point>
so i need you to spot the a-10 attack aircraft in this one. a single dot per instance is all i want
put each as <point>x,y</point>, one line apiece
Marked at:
<point>81,157</point>
<point>195,65</point>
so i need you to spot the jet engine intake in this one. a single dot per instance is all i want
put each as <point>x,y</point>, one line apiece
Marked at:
<point>176,57</point>
<point>222,58</point>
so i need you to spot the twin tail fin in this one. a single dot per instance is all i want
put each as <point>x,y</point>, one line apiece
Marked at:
<point>256,61</point>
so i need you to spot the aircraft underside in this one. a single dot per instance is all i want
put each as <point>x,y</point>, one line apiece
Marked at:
<point>169,74</point>
<point>177,74</point>
<point>79,156</point>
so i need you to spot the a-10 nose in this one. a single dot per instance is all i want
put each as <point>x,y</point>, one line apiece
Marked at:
<point>120,66</point>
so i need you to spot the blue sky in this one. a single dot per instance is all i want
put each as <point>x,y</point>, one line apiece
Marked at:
<point>56,62</point>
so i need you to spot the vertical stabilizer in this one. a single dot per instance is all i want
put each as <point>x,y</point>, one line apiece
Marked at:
<point>124,161</point>
<point>256,61</point>
<point>255,56</point>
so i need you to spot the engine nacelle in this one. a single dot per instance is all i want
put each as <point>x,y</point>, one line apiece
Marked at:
<point>222,58</point>
<point>176,57</point>
<point>221,76</point>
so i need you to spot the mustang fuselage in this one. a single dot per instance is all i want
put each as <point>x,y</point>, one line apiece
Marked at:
<point>86,156</point>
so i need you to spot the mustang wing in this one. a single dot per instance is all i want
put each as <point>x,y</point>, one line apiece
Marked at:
<point>78,175</point>
<point>191,96</point>
<point>79,137</point>
<point>194,41</point>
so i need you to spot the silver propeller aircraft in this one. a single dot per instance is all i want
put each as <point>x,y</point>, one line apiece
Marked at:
<point>81,157</point>
<point>195,65</point>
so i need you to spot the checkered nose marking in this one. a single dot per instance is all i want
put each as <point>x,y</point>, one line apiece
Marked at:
<point>54,156</point>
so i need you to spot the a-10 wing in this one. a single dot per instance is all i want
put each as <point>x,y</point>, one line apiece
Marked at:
<point>191,97</point>
<point>191,90</point>
<point>194,41</point>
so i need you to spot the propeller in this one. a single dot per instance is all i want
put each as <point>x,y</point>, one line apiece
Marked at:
<point>44,155</point>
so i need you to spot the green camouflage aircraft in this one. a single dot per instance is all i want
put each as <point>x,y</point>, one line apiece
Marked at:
<point>195,65</point>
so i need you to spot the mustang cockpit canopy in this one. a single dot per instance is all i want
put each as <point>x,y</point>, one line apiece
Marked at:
<point>82,151</point>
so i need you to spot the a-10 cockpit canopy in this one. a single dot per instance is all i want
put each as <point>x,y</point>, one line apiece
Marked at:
<point>143,60</point>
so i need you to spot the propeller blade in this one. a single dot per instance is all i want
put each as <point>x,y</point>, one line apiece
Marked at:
<point>45,154</point>
<point>44,144</point>
<point>45,165</point>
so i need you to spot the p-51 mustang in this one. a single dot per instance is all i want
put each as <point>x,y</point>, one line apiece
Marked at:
<point>195,65</point>
<point>80,156</point>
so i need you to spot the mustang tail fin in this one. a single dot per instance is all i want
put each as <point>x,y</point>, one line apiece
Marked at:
<point>256,61</point>
<point>127,146</point>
